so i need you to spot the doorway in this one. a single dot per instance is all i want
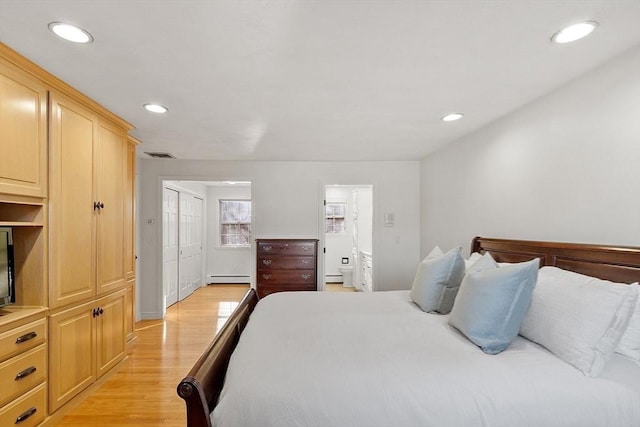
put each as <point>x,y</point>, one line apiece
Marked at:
<point>348,236</point>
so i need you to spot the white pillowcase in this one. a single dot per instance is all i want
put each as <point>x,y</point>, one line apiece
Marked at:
<point>630,343</point>
<point>579,318</point>
<point>437,280</point>
<point>493,301</point>
<point>473,258</point>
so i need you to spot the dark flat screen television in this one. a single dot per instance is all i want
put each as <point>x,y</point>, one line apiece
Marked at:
<point>7,268</point>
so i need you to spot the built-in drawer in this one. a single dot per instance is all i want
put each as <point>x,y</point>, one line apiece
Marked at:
<point>286,248</point>
<point>285,277</point>
<point>266,262</point>
<point>21,373</point>
<point>22,338</point>
<point>28,411</point>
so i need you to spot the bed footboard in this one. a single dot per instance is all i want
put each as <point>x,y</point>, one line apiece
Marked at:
<point>201,387</point>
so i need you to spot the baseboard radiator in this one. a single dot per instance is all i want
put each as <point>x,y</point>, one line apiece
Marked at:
<point>230,278</point>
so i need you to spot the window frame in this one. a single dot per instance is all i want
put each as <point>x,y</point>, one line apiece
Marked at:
<point>222,224</point>
<point>343,217</point>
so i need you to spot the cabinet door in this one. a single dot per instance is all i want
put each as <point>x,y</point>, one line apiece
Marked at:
<point>72,221</point>
<point>110,332</point>
<point>111,192</point>
<point>130,309</point>
<point>129,213</point>
<point>23,133</point>
<point>71,353</point>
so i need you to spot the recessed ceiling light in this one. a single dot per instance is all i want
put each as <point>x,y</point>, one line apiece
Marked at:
<point>156,108</point>
<point>70,32</point>
<point>452,117</point>
<point>574,32</point>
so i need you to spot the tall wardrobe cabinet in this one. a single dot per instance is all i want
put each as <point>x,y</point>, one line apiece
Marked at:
<point>67,181</point>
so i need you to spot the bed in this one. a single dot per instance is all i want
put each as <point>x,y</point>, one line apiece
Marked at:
<point>371,360</point>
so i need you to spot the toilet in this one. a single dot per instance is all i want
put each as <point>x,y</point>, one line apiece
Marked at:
<point>347,276</point>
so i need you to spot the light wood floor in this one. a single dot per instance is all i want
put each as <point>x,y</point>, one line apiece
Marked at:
<point>143,392</point>
<point>337,287</point>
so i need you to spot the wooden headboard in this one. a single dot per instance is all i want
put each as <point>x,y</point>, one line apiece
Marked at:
<point>615,263</point>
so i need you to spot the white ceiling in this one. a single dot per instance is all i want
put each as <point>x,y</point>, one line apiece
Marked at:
<point>315,80</point>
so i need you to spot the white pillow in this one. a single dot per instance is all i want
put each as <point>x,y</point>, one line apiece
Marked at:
<point>437,280</point>
<point>474,257</point>
<point>629,345</point>
<point>578,318</point>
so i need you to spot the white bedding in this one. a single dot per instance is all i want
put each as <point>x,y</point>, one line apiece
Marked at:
<point>375,359</point>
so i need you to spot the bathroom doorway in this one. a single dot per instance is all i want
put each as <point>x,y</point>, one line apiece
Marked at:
<point>348,237</point>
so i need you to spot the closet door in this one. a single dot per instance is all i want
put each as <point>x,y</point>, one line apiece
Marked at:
<point>111,193</point>
<point>72,223</point>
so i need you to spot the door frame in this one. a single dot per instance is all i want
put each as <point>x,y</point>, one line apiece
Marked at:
<point>161,182</point>
<point>321,231</point>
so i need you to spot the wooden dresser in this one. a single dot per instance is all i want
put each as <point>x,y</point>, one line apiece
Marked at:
<point>286,265</point>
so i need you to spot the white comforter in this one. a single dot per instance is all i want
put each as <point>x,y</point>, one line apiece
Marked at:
<point>375,359</point>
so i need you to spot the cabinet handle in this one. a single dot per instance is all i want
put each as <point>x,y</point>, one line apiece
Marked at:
<point>100,311</point>
<point>266,276</point>
<point>306,261</point>
<point>306,276</point>
<point>266,261</point>
<point>26,414</point>
<point>306,248</point>
<point>22,374</point>
<point>267,248</point>
<point>26,337</point>
<point>97,206</point>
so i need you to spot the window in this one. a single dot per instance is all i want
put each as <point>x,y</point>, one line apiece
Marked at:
<point>235,222</point>
<point>334,217</point>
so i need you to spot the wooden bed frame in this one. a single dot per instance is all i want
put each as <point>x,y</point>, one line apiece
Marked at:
<point>202,386</point>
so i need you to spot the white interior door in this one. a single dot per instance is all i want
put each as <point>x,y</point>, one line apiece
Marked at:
<point>196,248</point>
<point>186,242</point>
<point>170,246</point>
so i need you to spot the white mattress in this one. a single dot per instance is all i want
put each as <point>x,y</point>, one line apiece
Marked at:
<point>375,359</point>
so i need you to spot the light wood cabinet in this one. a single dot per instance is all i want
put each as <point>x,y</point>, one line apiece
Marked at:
<point>23,133</point>
<point>87,203</point>
<point>23,367</point>
<point>86,341</point>
<point>72,222</point>
<point>67,183</point>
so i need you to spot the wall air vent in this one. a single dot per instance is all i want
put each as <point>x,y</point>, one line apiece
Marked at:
<point>160,155</point>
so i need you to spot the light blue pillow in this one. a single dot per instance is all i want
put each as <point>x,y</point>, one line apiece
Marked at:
<point>492,303</point>
<point>437,280</point>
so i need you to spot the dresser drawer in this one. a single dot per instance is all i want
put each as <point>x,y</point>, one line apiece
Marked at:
<point>287,248</point>
<point>28,411</point>
<point>21,373</point>
<point>266,262</point>
<point>22,338</point>
<point>266,290</point>
<point>284,277</point>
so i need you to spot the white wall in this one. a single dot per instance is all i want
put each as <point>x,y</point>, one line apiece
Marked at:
<point>563,168</point>
<point>225,261</point>
<point>287,203</point>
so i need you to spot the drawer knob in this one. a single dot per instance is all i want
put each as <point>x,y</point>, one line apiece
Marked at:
<point>26,337</point>
<point>306,276</point>
<point>306,261</point>
<point>26,414</point>
<point>266,261</point>
<point>23,374</point>
<point>266,276</point>
<point>306,248</point>
<point>267,248</point>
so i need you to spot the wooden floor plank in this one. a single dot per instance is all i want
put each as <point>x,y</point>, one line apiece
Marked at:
<point>143,392</point>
